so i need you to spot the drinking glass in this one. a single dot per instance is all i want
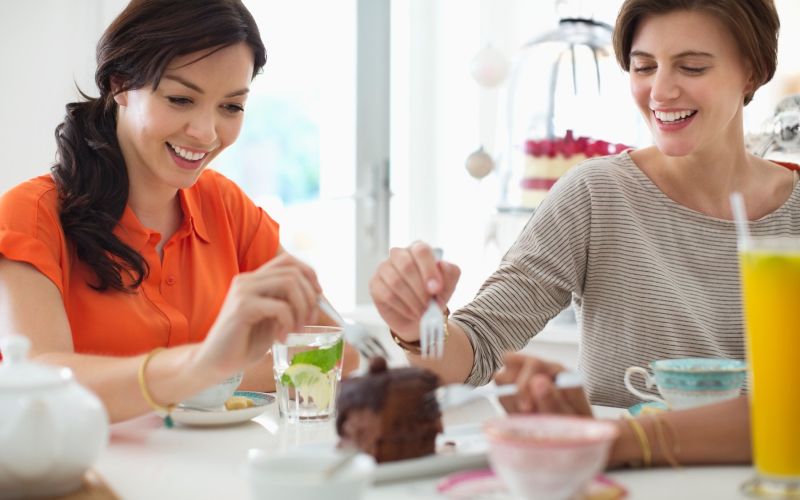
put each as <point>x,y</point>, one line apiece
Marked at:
<point>770,269</point>
<point>307,369</point>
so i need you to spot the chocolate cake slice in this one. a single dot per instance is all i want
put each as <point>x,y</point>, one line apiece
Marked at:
<point>390,414</point>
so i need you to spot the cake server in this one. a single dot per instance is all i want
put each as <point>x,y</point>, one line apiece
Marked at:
<point>354,334</point>
<point>452,395</point>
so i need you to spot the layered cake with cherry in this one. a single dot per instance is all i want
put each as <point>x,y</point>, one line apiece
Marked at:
<point>391,414</point>
<point>546,160</point>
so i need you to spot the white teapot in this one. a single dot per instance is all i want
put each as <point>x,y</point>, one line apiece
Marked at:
<point>51,428</point>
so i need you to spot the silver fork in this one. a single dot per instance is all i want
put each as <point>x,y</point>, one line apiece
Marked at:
<point>368,346</point>
<point>452,395</point>
<point>431,326</point>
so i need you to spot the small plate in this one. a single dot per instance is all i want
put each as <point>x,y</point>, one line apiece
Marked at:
<point>225,417</point>
<point>647,407</point>
<point>460,447</point>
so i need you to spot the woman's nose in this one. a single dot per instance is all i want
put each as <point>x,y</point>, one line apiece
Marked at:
<point>664,87</point>
<point>202,127</point>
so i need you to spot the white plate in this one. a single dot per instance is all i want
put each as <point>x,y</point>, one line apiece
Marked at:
<point>225,417</point>
<point>460,447</point>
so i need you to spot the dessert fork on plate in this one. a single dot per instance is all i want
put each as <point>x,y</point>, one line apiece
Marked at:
<point>453,395</point>
<point>431,326</point>
<point>368,346</point>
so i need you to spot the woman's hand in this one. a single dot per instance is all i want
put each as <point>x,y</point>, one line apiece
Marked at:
<point>404,283</point>
<point>537,391</point>
<point>261,306</point>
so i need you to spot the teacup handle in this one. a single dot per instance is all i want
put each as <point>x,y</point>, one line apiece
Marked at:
<point>649,382</point>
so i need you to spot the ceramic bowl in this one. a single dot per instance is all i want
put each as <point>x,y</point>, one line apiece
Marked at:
<point>548,456</point>
<point>215,396</point>
<point>299,474</point>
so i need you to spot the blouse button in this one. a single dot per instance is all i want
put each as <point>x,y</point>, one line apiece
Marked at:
<point>171,280</point>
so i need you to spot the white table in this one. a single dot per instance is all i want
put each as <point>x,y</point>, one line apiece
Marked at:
<point>145,460</point>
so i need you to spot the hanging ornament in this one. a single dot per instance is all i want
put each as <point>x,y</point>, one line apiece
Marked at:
<point>489,67</point>
<point>479,163</point>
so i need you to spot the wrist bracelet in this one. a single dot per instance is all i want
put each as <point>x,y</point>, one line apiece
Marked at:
<point>164,412</point>
<point>644,443</point>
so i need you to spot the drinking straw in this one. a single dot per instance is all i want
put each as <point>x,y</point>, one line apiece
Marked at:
<point>740,217</point>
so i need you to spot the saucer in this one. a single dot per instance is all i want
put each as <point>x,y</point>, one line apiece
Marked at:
<point>222,416</point>
<point>483,484</point>
<point>646,407</point>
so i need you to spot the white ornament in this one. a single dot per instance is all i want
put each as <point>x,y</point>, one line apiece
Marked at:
<point>479,163</point>
<point>489,67</point>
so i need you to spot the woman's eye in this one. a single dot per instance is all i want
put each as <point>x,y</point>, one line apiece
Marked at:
<point>643,69</point>
<point>180,101</point>
<point>694,70</point>
<point>234,108</point>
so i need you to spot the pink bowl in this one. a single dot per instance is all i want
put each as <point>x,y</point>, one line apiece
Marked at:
<point>548,456</point>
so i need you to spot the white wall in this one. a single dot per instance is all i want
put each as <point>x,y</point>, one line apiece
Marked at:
<point>46,47</point>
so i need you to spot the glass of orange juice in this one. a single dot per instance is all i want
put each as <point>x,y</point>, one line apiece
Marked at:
<point>770,269</point>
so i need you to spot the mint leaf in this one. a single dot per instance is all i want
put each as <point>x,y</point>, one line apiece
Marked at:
<point>324,359</point>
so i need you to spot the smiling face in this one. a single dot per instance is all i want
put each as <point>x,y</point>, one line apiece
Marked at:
<point>689,80</point>
<point>169,135</point>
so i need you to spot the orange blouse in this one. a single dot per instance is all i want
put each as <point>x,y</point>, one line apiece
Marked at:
<point>223,233</point>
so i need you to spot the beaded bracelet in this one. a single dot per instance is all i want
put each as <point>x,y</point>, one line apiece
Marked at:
<point>164,412</point>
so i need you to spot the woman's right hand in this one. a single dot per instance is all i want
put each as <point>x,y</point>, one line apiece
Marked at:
<point>537,391</point>
<point>261,306</point>
<point>404,283</point>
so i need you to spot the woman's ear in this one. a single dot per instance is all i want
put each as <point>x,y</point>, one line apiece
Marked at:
<point>121,98</point>
<point>750,85</point>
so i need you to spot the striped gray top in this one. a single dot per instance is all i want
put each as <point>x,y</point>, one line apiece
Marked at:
<point>649,278</point>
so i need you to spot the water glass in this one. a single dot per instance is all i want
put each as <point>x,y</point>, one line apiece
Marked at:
<point>307,369</point>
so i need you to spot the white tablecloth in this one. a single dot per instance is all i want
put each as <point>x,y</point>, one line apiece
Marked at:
<point>145,460</point>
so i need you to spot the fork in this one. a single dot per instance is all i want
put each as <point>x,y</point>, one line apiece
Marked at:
<point>452,395</point>
<point>431,326</point>
<point>368,346</point>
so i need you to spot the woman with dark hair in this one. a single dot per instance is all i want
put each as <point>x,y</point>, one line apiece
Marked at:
<point>643,243</point>
<point>132,248</point>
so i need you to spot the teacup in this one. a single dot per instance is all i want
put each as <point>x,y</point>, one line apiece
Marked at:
<point>214,397</point>
<point>690,382</point>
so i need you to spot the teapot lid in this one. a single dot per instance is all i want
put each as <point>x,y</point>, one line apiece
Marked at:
<point>17,372</point>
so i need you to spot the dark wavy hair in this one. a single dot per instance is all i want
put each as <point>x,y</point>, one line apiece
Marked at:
<point>90,172</point>
<point>753,23</point>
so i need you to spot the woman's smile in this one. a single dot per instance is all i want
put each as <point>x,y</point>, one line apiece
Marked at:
<point>186,158</point>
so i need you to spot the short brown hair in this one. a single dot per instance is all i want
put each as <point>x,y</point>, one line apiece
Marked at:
<point>753,23</point>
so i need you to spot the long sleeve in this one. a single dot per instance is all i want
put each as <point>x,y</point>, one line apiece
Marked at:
<point>535,281</point>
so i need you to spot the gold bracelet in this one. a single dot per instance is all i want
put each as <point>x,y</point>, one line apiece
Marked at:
<point>669,454</point>
<point>644,443</point>
<point>164,412</point>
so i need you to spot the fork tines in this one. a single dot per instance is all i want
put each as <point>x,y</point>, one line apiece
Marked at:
<point>370,347</point>
<point>431,325</point>
<point>431,332</point>
<point>367,345</point>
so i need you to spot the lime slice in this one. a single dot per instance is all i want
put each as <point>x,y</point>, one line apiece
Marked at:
<point>310,383</point>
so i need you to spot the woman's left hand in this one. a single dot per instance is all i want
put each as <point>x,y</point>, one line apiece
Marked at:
<point>537,391</point>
